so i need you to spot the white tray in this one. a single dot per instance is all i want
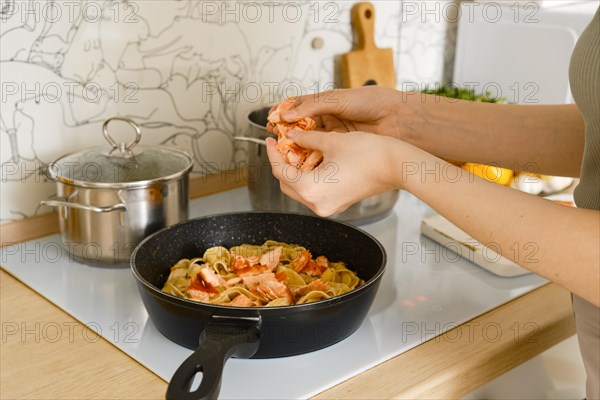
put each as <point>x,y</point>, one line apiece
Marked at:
<point>447,234</point>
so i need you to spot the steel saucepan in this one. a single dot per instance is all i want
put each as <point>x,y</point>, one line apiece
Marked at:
<point>220,332</point>
<point>109,199</point>
<point>266,195</point>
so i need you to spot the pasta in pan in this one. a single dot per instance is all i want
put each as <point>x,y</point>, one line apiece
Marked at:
<point>271,274</point>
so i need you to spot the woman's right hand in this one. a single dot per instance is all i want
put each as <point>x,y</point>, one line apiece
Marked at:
<point>356,165</point>
<point>369,109</point>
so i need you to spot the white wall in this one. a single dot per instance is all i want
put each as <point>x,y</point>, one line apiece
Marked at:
<point>188,71</point>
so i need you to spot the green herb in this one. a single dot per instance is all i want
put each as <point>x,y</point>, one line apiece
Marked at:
<point>463,94</point>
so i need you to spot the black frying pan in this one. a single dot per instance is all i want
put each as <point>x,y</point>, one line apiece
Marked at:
<point>218,333</point>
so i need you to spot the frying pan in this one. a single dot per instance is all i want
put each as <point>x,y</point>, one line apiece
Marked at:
<point>219,332</point>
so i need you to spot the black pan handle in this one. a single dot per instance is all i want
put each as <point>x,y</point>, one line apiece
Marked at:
<point>223,337</point>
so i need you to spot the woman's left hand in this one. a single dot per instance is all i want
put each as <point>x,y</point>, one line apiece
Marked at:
<point>356,165</point>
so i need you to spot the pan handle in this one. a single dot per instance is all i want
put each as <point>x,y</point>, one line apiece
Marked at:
<point>223,338</point>
<point>262,142</point>
<point>63,203</point>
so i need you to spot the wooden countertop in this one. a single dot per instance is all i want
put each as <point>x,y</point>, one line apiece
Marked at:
<point>47,354</point>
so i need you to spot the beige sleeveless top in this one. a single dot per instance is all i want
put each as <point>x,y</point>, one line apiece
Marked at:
<point>585,85</point>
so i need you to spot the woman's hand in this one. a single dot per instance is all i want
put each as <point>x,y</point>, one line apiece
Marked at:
<point>369,109</point>
<point>356,165</point>
<point>504,135</point>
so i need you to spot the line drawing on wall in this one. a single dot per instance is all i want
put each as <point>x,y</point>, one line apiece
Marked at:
<point>186,74</point>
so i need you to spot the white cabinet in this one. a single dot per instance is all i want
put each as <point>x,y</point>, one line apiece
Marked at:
<point>520,50</point>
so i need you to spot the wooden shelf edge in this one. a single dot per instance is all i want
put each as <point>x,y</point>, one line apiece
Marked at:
<point>29,228</point>
<point>47,224</point>
<point>219,182</point>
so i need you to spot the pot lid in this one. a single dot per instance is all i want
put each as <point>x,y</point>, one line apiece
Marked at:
<point>121,165</point>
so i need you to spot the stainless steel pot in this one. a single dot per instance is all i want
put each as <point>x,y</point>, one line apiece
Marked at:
<point>266,195</point>
<point>110,199</point>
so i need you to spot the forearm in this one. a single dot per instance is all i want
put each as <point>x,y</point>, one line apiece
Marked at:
<point>545,139</point>
<point>561,243</point>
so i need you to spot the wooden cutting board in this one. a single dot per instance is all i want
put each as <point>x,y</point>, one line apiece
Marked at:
<point>366,64</point>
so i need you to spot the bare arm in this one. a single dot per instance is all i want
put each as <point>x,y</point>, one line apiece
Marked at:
<point>557,242</point>
<point>545,139</point>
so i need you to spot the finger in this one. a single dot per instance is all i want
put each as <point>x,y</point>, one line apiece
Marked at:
<point>275,157</point>
<point>283,171</point>
<point>270,127</point>
<point>353,104</point>
<point>275,130</point>
<point>314,140</point>
<point>312,105</point>
<point>334,124</point>
<point>291,193</point>
<point>319,121</point>
<point>324,124</point>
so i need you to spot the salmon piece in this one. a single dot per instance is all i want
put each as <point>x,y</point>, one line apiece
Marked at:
<point>273,289</point>
<point>293,154</point>
<point>300,262</point>
<point>240,300</point>
<point>266,285</point>
<point>197,284</point>
<point>233,281</point>
<point>286,105</point>
<point>211,278</point>
<point>281,276</point>
<point>255,270</point>
<point>314,269</point>
<point>314,285</point>
<point>199,295</point>
<point>239,262</point>
<point>253,260</point>
<point>305,124</point>
<point>322,261</point>
<point>271,259</point>
<point>252,281</point>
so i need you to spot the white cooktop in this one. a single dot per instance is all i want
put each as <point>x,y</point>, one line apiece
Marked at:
<point>425,291</point>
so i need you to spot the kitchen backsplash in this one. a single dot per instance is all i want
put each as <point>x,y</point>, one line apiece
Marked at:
<point>187,71</point>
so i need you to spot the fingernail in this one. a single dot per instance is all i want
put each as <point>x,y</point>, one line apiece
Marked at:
<point>270,141</point>
<point>292,134</point>
<point>289,115</point>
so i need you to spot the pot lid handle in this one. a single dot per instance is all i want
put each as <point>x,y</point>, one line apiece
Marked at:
<point>121,149</point>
